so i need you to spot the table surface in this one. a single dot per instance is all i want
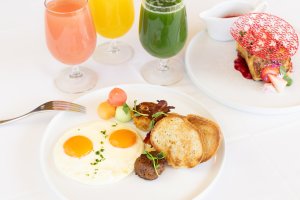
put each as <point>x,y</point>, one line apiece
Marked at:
<point>262,160</point>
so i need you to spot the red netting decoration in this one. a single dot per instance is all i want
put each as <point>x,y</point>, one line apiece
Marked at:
<point>266,36</point>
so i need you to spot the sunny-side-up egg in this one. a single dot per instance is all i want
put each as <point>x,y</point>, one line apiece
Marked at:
<point>98,152</point>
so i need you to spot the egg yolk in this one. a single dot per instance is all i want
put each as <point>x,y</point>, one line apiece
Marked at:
<point>78,146</point>
<point>122,138</point>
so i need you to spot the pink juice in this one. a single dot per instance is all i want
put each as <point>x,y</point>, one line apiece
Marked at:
<point>70,32</point>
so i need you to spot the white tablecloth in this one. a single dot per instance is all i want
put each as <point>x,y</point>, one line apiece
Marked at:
<point>262,152</point>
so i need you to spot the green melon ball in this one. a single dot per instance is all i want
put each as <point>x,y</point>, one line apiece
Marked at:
<point>121,115</point>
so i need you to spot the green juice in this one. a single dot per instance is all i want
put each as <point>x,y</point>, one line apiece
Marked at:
<point>162,34</point>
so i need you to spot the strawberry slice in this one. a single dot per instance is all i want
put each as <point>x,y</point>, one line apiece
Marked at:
<point>269,70</point>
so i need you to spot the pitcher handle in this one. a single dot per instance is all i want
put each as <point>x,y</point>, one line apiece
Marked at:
<point>261,7</point>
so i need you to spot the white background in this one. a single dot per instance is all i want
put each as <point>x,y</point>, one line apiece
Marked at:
<point>262,162</point>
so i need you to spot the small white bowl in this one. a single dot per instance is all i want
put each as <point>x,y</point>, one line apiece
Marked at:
<point>220,18</point>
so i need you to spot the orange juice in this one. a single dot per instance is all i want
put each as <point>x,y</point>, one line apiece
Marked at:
<point>70,32</point>
<point>112,18</point>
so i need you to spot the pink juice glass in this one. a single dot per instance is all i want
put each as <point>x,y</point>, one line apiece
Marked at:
<point>71,39</point>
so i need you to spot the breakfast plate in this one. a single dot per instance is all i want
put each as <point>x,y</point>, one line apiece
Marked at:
<point>210,65</point>
<point>172,184</point>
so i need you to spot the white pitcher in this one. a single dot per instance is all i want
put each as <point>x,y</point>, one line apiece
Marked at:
<point>220,18</point>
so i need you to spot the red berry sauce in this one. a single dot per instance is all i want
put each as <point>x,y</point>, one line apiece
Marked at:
<point>241,65</point>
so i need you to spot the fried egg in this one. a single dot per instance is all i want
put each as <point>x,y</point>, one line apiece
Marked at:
<point>98,152</point>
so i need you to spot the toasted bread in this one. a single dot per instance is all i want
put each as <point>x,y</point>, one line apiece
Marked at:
<point>256,64</point>
<point>179,140</point>
<point>210,134</point>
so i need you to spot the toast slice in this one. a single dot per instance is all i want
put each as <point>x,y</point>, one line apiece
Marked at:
<point>210,134</point>
<point>256,64</point>
<point>179,140</point>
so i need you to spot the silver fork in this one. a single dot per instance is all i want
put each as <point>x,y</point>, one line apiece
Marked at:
<point>51,105</point>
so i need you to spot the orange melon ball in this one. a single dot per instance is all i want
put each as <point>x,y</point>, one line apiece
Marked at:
<point>106,110</point>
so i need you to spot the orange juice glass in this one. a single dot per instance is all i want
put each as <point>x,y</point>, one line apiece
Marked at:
<point>71,39</point>
<point>113,19</point>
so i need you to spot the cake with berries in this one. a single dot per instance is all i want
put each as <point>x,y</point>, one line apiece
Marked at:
<point>267,44</point>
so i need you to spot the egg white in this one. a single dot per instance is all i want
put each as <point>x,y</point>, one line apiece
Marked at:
<point>117,163</point>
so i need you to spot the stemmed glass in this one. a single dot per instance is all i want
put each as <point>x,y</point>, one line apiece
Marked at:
<point>71,39</point>
<point>162,32</point>
<point>112,18</point>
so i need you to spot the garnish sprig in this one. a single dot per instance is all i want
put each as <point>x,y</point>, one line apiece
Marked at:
<point>285,76</point>
<point>155,159</point>
<point>155,116</point>
<point>137,113</point>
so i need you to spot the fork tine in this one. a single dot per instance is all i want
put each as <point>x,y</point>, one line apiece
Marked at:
<point>69,106</point>
<point>67,103</point>
<point>63,105</point>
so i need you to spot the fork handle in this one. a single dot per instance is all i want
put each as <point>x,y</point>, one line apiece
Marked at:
<point>2,122</point>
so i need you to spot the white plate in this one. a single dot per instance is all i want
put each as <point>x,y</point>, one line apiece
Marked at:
<point>172,184</point>
<point>210,66</point>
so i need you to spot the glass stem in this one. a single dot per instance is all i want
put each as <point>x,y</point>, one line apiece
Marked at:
<point>113,48</point>
<point>163,65</point>
<point>75,72</point>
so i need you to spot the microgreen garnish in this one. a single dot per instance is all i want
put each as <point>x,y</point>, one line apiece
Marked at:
<point>137,113</point>
<point>154,117</point>
<point>155,159</point>
<point>100,158</point>
<point>126,108</point>
<point>134,104</point>
<point>285,76</point>
<point>115,124</point>
<point>103,132</point>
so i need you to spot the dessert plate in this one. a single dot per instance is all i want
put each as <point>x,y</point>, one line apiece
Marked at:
<point>210,65</point>
<point>172,184</point>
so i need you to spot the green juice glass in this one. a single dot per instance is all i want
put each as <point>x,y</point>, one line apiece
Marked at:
<point>163,33</point>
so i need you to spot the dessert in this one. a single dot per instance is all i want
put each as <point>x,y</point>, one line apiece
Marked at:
<point>267,44</point>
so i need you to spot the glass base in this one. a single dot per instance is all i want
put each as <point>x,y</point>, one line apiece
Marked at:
<point>109,53</point>
<point>151,73</point>
<point>73,85</point>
